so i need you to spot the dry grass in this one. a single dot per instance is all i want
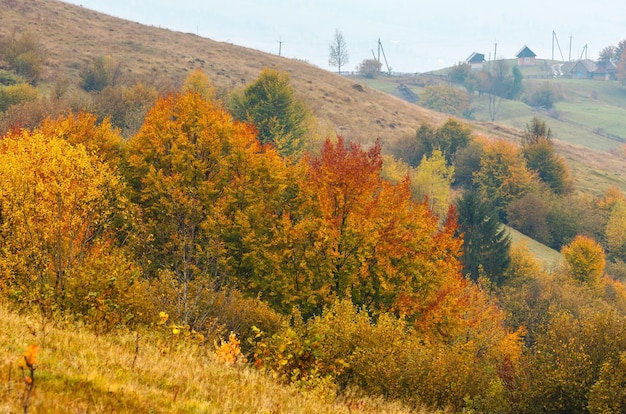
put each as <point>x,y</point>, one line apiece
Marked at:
<point>78,371</point>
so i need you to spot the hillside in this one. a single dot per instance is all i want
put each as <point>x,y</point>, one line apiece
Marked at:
<point>78,371</point>
<point>142,264</point>
<point>74,35</point>
<point>588,121</point>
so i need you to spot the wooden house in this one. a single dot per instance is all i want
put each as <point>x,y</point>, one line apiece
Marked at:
<point>525,57</point>
<point>476,60</point>
<point>588,69</point>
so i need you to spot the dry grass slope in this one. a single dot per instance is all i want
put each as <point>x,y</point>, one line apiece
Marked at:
<point>80,372</point>
<point>74,35</point>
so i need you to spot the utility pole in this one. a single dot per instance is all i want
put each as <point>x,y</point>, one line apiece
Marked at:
<point>570,49</point>
<point>280,47</point>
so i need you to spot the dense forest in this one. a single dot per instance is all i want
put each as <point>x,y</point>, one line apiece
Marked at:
<point>227,221</point>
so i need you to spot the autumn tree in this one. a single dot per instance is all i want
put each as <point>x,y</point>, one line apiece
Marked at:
<point>616,230</point>
<point>198,82</point>
<point>367,239</point>
<point>57,199</point>
<point>541,157</point>
<point>445,98</point>
<point>486,242</point>
<point>282,119</point>
<point>99,138</point>
<point>176,167</point>
<point>370,68</point>
<point>432,181</point>
<point>503,176</point>
<point>210,197</point>
<point>585,260</point>
<point>608,393</point>
<point>338,51</point>
<point>568,369</point>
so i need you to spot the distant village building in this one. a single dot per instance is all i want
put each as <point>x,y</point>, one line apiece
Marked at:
<point>525,57</point>
<point>476,60</point>
<point>588,69</point>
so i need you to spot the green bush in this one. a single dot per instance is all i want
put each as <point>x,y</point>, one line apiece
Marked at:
<point>98,74</point>
<point>7,78</point>
<point>16,94</point>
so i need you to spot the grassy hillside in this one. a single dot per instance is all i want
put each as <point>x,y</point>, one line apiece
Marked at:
<point>467,358</point>
<point>129,373</point>
<point>589,120</point>
<point>359,109</point>
<point>74,36</point>
<point>549,257</point>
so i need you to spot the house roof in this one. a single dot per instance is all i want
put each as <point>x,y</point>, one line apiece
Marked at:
<point>586,64</point>
<point>476,58</point>
<point>525,52</point>
<point>609,67</point>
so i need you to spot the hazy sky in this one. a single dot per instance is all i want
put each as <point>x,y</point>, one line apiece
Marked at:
<point>416,36</point>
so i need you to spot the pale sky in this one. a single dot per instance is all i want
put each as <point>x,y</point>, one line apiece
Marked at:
<point>416,36</point>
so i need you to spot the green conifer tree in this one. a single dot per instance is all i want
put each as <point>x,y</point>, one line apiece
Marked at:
<point>486,245</point>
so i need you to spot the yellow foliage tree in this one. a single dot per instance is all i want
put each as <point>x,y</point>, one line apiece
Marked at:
<point>432,181</point>
<point>503,176</point>
<point>616,226</point>
<point>56,199</point>
<point>585,259</point>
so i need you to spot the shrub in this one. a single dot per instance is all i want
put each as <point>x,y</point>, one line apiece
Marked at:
<point>608,394</point>
<point>445,98</point>
<point>108,291</point>
<point>386,357</point>
<point>544,97</point>
<point>213,312</point>
<point>16,94</point>
<point>98,74</point>
<point>370,68</point>
<point>7,78</point>
<point>25,55</point>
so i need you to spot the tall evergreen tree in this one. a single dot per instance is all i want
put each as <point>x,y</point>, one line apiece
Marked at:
<point>486,244</point>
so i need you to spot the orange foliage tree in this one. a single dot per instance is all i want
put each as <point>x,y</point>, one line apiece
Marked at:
<point>207,191</point>
<point>366,239</point>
